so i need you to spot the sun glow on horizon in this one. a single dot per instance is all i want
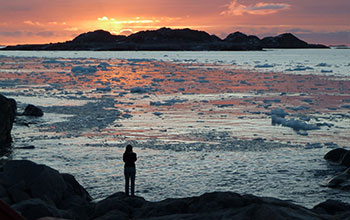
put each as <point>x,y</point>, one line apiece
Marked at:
<point>125,26</point>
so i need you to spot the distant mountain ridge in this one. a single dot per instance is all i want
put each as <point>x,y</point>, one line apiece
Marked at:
<point>170,39</point>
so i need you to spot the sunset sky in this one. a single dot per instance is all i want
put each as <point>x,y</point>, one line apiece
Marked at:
<point>44,21</point>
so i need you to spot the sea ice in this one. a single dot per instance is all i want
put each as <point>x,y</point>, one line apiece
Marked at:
<point>203,81</point>
<point>323,65</point>
<point>103,66</point>
<point>126,115</point>
<point>299,68</point>
<point>179,80</point>
<point>298,108</point>
<point>313,145</point>
<point>105,89</point>
<point>307,100</point>
<point>78,70</point>
<point>168,102</point>
<point>138,89</point>
<point>52,61</point>
<point>345,106</point>
<point>264,66</point>
<point>279,112</point>
<point>268,101</point>
<point>223,105</point>
<point>326,71</point>
<point>157,80</point>
<point>157,113</point>
<point>293,123</point>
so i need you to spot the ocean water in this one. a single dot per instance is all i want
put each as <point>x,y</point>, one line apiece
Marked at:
<point>199,121</point>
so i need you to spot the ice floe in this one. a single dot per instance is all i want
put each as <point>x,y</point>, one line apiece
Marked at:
<point>264,66</point>
<point>293,123</point>
<point>104,66</point>
<point>168,102</point>
<point>298,108</point>
<point>78,70</point>
<point>138,89</point>
<point>279,112</point>
<point>299,68</point>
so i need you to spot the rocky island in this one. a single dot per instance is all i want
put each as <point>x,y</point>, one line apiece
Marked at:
<point>166,39</point>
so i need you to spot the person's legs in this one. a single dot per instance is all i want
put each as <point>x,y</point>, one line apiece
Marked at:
<point>127,177</point>
<point>132,177</point>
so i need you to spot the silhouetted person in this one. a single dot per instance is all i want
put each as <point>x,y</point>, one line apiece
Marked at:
<point>129,158</point>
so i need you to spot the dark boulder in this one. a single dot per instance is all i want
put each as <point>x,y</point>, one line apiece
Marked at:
<point>345,160</point>
<point>118,204</point>
<point>33,209</point>
<point>340,181</point>
<point>78,207</point>
<point>39,181</point>
<point>7,116</point>
<point>29,186</point>
<point>335,155</point>
<point>331,207</point>
<point>74,188</point>
<point>32,110</point>
<point>224,205</point>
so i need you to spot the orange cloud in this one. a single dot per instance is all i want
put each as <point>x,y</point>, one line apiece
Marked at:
<point>261,8</point>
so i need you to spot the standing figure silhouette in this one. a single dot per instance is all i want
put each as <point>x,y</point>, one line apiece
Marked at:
<point>129,158</point>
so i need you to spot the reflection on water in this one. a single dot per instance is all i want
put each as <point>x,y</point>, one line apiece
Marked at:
<point>196,128</point>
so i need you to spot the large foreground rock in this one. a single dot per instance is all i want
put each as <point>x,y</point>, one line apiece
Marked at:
<point>38,191</point>
<point>7,116</point>
<point>216,205</point>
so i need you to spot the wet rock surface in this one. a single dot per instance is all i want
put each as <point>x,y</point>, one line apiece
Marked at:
<point>37,191</point>
<point>7,116</point>
<point>32,110</point>
<point>44,192</point>
<point>341,157</point>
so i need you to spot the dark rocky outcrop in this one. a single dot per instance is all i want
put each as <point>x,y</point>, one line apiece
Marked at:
<point>32,110</point>
<point>339,155</point>
<point>167,35</point>
<point>166,39</point>
<point>287,40</point>
<point>38,191</point>
<point>345,160</point>
<point>342,157</point>
<point>332,207</point>
<point>8,108</point>
<point>249,42</point>
<point>97,36</point>
<point>335,155</point>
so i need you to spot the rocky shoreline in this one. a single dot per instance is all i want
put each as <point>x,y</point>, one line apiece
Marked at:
<point>37,191</point>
